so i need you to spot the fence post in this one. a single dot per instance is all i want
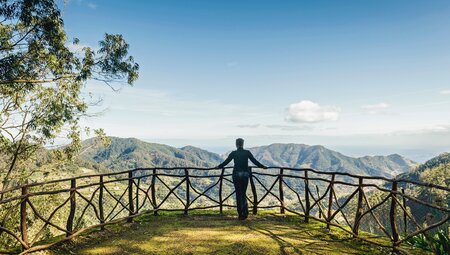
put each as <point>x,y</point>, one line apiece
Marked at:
<point>359,209</point>
<point>23,217</point>
<point>220,190</point>
<point>255,196</point>
<point>307,204</point>
<point>155,212</point>
<point>330,201</point>
<point>186,207</point>
<point>405,222</point>
<point>73,204</point>
<point>393,216</point>
<point>281,191</point>
<point>130,196</point>
<point>100,203</point>
<point>137,196</point>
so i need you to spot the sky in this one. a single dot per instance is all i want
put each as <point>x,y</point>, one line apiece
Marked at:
<point>360,77</point>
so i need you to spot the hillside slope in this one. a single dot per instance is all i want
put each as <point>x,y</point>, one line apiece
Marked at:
<point>415,175</point>
<point>436,171</point>
<point>128,153</point>
<point>319,157</point>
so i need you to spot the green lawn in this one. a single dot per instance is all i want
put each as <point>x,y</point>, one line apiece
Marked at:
<point>209,233</point>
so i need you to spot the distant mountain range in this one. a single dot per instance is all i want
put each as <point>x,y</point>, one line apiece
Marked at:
<point>321,158</point>
<point>128,153</point>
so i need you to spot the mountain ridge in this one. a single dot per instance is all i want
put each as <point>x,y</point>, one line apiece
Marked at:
<point>127,153</point>
<point>322,158</point>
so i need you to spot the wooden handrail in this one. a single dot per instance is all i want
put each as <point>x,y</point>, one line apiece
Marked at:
<point>424,184</point>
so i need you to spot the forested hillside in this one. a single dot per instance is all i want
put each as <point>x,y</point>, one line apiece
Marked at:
<point>427,168</point>
<point>436,171</point>
<point>129,153</point>
<point>319,157</point>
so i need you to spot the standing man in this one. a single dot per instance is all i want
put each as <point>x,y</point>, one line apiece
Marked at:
<point>241,173</point>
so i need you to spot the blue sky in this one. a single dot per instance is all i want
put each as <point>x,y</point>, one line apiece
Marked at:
<point>361,77</point>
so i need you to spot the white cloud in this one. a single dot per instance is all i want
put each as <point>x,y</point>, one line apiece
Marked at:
<point>92,6</point>
<point>375,108</point>
<point>445,92</point>
<point>290,128</point>
<point>249,126</point>
<point>310,112</point>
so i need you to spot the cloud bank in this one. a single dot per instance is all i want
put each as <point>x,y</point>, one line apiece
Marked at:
<point>375,108</point>
<point>249,126</point>
<point>309,112</point>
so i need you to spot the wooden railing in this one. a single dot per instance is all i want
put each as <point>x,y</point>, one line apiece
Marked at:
<point>379,206</point>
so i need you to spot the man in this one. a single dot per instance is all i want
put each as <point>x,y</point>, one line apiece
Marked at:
<point>241,173</point>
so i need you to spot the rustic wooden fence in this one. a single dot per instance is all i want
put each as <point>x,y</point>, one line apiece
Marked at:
<point>380,207</point>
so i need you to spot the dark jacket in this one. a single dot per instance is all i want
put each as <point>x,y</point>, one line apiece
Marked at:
<point>241,157</point>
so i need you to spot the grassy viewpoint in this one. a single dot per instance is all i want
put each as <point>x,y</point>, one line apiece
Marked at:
<point>207,232</point>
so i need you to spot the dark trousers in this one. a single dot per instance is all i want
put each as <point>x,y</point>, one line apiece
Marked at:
<point>240,181</point>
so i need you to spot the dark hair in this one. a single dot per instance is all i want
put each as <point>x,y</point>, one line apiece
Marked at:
<point>239,142</point>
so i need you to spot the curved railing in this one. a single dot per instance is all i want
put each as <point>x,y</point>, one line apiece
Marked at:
<point>379,206</point>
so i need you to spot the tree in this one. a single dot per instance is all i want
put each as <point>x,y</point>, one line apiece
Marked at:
<point>41,80</point>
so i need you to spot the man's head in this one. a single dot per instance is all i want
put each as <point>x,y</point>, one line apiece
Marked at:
<point>239,143</point>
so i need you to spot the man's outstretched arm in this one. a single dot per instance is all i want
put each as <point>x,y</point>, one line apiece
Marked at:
<point>228,160</point>
<point>256,162</point>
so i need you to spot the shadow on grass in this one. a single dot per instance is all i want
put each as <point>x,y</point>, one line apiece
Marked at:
<point>264,234</point>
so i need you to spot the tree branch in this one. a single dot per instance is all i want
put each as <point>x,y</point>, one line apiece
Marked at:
<point>21,39</point>
<point>40,80</point>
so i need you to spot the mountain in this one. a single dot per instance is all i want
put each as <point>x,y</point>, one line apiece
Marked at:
<point>321,158</point>
<point>436,171</point>
<point>427,167</point>
<point>128,153</point>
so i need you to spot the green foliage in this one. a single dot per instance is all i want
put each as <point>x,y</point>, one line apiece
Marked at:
<point>443,159</point>
<point>439,243</point>
<point>41,79</point>
<point>436,171</point>
<point>51,170</point>
<point>439,175</point>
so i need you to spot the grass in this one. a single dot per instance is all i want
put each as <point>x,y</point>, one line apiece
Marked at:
<point>207,232</point>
